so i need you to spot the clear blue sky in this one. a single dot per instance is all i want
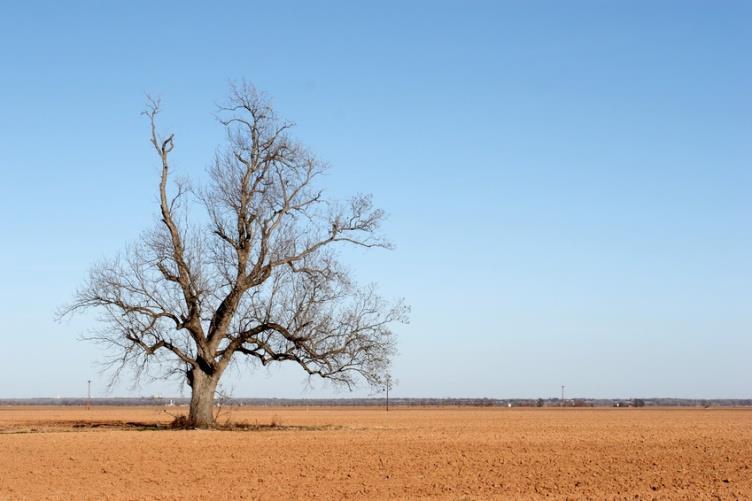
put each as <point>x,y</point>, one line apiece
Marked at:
<point>569,183</point>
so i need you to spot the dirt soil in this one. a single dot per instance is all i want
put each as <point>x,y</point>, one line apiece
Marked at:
<point>347,453</point>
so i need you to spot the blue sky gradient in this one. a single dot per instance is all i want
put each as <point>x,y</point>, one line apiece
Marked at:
<point>569,183</point>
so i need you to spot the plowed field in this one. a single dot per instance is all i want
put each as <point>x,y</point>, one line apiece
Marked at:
<point>352,453</point>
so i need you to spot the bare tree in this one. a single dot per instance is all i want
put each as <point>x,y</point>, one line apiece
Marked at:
<point>258,280</point>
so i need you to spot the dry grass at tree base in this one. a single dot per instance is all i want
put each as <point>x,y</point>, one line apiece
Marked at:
<point>178,422</point>
<point>351,453</point>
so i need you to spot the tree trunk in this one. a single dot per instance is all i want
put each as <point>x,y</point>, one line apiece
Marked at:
<point>203,386</point>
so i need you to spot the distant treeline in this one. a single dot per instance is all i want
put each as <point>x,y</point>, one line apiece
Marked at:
<point>399,402</point>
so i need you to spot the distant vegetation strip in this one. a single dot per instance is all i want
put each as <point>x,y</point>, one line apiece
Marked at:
<point>397,402</point>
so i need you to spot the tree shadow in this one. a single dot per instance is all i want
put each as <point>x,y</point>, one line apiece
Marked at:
<point>178,424</point>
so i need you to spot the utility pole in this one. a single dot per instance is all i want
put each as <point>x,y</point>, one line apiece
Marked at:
<point>388,384</point>
<point>88,397</point>
<point>562,395</point>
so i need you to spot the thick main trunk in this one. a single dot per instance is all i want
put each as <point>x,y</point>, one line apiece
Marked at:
<point>201,413</point>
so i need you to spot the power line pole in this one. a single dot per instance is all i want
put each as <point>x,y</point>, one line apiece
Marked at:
<point>562,395</point>
<point>388,384</point>
<point>88,396</point>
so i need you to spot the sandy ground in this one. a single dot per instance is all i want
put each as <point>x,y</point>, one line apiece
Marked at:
<point>346,453</point>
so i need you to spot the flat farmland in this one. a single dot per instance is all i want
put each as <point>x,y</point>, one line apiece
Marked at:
<point>367,453</point>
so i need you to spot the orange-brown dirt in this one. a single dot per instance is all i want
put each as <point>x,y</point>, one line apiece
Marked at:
<point>358,453</point>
